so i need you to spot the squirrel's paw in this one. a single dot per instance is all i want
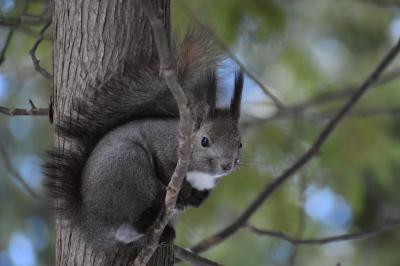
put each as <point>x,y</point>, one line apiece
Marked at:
<point>197,197</point>
<point>168,235</point>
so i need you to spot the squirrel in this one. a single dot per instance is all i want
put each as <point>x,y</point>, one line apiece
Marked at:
<point>112,181</point>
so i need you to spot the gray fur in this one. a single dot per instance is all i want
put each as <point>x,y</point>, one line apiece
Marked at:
<point>132,164</point>
<point>112,182</point>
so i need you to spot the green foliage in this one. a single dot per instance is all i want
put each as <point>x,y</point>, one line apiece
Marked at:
<point>359,162</point>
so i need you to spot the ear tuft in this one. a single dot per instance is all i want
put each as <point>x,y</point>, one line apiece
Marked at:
<point>237,95</point>
<point>212,84</point>
<point>205,90</point>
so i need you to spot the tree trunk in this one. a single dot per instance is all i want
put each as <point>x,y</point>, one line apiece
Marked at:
<point>91,40</point>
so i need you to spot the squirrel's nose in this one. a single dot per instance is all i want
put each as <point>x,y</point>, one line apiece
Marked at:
<point>226,166</point>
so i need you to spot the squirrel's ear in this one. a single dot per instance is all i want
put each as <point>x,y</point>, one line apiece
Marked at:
<point>237,95</point>
<point>212,84</point>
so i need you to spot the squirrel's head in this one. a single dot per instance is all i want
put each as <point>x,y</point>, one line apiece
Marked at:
<point>217,141</point>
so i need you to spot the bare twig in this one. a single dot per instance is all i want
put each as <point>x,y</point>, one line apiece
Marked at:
<point>302,110</point>
<point>22,20</point>
<point>43,17</point>
<point>192,258</point>
<point>6,44</point>
<point>343,93</point>
<point>271,187</point>
<point>193,16</point>
<point>359,113</point>
<point>16,22</point>
<point>22,111</point>
<point>9,22</point>
<point>274,98</point>
<point>377,111</point>
<point>14,172</point>
<point>384,3</point>
<point>32,104</point>
<point>326,240</point>
<point>167,69</point>
<point>32,52</point>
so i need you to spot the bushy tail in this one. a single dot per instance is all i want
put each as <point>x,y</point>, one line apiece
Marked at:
<point>136,93</point>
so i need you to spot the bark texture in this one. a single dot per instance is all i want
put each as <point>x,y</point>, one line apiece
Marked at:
<point>91,40</point>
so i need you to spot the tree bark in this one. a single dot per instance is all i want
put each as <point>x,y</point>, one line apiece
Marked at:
<point>91,40</point>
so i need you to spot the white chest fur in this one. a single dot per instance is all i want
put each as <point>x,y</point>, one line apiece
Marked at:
<point>201,181</point>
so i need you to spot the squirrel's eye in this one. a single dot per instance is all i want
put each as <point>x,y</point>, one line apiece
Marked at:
<point>240,145</point>
<point>205,142</point>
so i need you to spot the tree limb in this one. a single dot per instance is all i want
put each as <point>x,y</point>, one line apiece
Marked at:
<point>326,240</point>
<point>32,52</point>
<point>358,113</point>
<point>22,111</point>
<point>167,70</point>
<point>15,174</point>
<point>192,258</point>
<point>301,110</point>
<point>6,44</point>
<point>271,187</point>
<point>376,111</point>
<point>23,20</point>
<point>13,23</point>
<point>193,16</point>
<point>384,3</point>
<point>343,93</point>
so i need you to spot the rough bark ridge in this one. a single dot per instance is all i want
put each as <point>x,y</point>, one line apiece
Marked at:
<point>91,39</point>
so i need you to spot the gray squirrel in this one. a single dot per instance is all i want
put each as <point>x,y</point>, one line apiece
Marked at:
<point>111,182</point>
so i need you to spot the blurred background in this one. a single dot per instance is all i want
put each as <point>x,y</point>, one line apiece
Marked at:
<point>309,54</point>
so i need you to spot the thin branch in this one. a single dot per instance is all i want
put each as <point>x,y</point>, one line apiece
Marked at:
<point>32,104</point>
<point>9,22</point>
<point>377,111</point>
<point>343,93</point>
<point>192,258</point>
<point>301,110</point>
<point>9,36</point>
<point>32,52</point>
<point>6,45</point>
<point>23,20</point>
<point>271,187</point>
<point>167,69</point>
<point>31,32</point>
<point>326,240</point>
<point>14,172</point>
<point>359,113</point>
<point>384,3</point>
<point>27,19</point>
<point>43,17</point>
<point>193,16</point>
<point>22,111</point>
